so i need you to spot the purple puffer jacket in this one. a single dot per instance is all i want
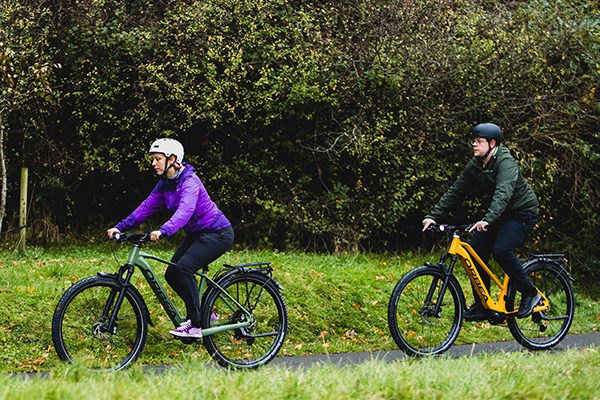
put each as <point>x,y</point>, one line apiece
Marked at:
<point>193,210</point>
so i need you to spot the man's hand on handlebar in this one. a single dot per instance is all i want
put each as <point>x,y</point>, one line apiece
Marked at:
<point>427,222</point>
<point>480,226</point>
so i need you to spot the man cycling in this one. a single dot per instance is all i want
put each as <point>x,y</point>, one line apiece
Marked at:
<point>512,213</point>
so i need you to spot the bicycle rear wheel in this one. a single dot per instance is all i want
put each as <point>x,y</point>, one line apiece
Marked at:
<point>545,329</point>
<point>256,344</point>
<point>80,325</point>
<point>415,326</point>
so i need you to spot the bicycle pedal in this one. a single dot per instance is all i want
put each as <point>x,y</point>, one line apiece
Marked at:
<point>187,340</point>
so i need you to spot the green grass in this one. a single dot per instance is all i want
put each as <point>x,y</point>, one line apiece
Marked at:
<point>570,374</point>
<point>336,303</point>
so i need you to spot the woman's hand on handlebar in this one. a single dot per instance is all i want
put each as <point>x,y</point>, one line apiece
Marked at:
<point>155,236</point>
<point>111,233</point>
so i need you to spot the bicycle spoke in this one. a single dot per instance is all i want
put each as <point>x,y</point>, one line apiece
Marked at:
<point>80,327</point>
<point>547,328</point>
<point>257,343</point>
<point>417,325</point>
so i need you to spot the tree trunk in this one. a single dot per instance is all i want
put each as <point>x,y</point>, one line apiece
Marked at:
<point>3,174</point>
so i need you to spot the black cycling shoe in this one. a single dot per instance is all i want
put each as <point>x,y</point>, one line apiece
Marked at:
<point>477,313</point>
<point>527,304</point>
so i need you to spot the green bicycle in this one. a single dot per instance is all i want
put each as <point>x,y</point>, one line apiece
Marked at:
<point>102,321</point>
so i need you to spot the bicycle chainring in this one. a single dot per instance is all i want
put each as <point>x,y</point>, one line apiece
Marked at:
<point>497,318</point>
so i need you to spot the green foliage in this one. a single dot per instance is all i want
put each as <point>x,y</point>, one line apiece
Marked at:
<point>26,71</point>
<point>26,78</point>
<point>323,125</point>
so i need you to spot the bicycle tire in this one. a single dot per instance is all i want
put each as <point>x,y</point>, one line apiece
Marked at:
<point>257,344</point>
<point>77,321</point>
<point>543,330</point>
<point>414,327</point>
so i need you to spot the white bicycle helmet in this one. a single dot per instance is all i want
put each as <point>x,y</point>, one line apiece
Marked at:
<point>168,147</point>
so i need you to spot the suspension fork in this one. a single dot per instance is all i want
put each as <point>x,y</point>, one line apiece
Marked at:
<point>447,274</point>
<point>119,293</point>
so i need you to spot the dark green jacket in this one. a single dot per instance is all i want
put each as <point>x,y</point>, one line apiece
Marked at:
<point>500,185</point>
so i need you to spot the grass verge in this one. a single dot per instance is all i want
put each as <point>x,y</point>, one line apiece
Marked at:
<point>336,304</point>
<point>571,374</point>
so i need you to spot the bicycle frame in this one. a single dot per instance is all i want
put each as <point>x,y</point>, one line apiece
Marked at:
<point>138,258</point>
<point>470,260</point>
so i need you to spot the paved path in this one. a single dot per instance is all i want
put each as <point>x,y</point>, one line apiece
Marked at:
<point>571,341</point>
<point>576,341</point>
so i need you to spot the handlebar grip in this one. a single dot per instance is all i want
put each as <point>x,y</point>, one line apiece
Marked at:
<point>437,227</point>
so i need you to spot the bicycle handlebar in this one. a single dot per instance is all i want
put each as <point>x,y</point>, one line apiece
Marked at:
<point>131,237</point>
<point>450,229</point>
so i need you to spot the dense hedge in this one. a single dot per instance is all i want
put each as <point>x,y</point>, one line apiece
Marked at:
<point>326,125</point>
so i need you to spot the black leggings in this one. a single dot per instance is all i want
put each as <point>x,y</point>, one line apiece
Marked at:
<point>191,255</point>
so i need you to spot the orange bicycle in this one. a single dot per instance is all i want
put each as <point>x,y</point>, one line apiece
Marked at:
<point>426,307</point>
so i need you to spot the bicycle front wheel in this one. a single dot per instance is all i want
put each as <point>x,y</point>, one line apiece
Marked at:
<point>545,329</point>
<point>256,344</point>
<point>80,330</point>
<point>422,319</point>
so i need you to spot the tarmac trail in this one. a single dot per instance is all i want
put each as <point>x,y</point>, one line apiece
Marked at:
<point>570,341</point>
<point>347,359</point>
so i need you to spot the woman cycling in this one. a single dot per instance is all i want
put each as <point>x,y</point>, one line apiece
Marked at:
<point>208,232</point>
<point>512,212</point>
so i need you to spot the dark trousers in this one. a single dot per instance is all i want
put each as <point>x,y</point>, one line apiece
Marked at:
<point>192,254</point>
<point>500,241</point>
